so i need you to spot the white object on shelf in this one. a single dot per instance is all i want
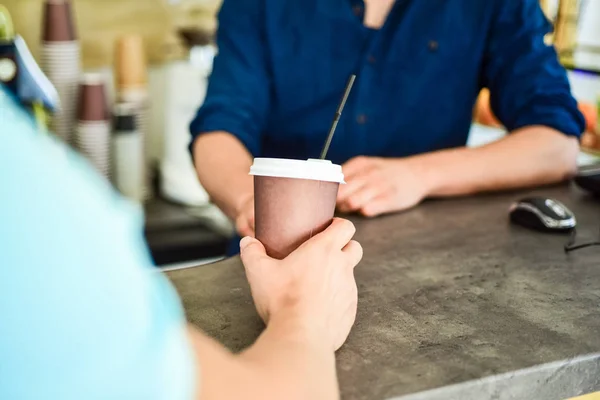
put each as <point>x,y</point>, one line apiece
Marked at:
<point>481,135</point>
<point>186,85</point>
<point>584,86</point>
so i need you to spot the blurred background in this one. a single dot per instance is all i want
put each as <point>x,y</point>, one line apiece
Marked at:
<point>142,66</point>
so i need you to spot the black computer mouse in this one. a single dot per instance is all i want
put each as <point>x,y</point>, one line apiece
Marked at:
<point>542,214</point>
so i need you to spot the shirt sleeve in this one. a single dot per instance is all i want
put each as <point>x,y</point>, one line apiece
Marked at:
<point>238,95</point>
<point>528,85</point>
<point>85,315</point>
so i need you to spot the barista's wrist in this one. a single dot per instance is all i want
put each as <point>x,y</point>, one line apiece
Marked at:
<point>428,176</point>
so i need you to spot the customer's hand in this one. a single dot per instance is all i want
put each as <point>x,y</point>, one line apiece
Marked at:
<point>244,221</point>
<point>314,285</point>
<point>377,186</point>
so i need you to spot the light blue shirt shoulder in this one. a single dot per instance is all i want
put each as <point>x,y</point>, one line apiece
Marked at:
<point>85,315</point>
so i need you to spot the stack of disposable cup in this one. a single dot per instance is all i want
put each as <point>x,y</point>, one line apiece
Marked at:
<point>128,153</point>
<point>92,135</point>
<point>140,100</point>
<point>132,87</point>
<point>60,59</point>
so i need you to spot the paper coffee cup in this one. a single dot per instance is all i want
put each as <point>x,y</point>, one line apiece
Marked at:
<point>58,22</point>
<point>130,63</point>
<point>92,105</point>
<point>293,201</point>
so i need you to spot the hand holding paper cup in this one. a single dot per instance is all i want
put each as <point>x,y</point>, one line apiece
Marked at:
<point>294,200</point>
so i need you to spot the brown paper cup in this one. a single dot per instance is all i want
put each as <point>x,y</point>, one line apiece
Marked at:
<point>92,99</point>
<point>58,22</point>
<point>130,59</point>
<point>293,204</point>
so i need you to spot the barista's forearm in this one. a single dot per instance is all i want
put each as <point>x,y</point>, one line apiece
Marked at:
<point>531,156</point>
<point>222,163</point>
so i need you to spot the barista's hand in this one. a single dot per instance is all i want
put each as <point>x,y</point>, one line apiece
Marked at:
<point>244,221</point>
<point>377,186</point>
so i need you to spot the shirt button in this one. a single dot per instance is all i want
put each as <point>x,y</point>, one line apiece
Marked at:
<point>433,45</point>
<point>358,10</point>
<point>371,59</point>
<point>361,119</point>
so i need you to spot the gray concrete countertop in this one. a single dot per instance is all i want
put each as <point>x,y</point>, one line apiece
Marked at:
<point>449,292</point>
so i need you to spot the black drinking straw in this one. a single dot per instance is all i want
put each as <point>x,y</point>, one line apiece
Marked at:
<point>337,116</point>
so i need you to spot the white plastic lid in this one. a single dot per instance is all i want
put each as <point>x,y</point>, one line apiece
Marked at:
<point>318,170</point>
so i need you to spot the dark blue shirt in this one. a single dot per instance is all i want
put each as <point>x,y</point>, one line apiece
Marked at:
<point>283,64</point>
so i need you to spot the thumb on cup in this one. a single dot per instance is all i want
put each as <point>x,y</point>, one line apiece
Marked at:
<point>252,251</point>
